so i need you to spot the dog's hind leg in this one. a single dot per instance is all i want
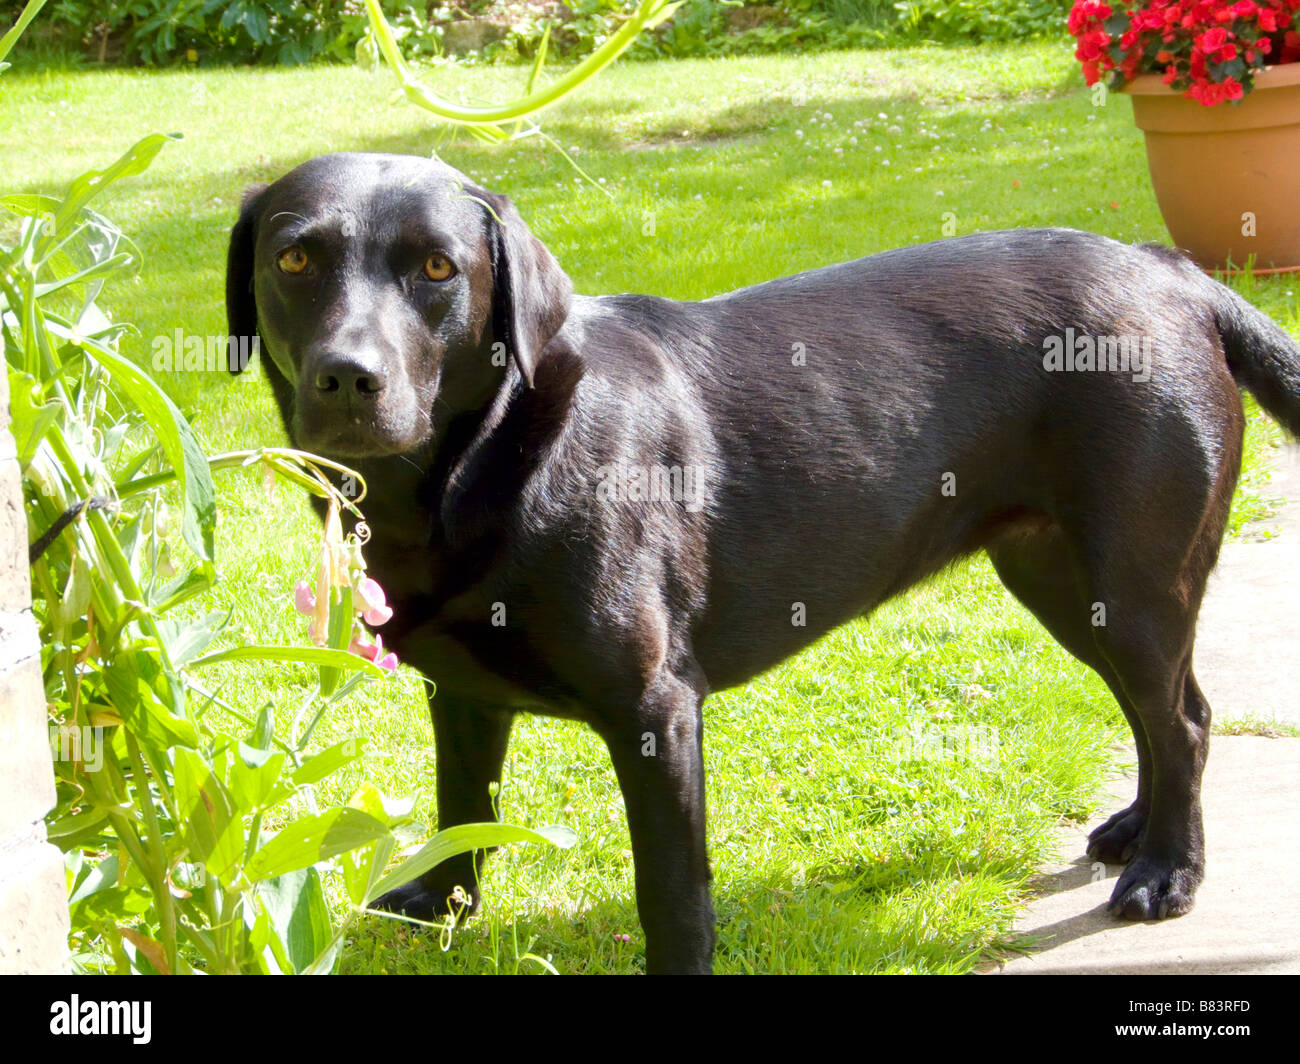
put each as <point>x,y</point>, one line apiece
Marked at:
<point>1139,614</point>
<point>1149,572</point>
<point>1147,640</point>
<point>1044,572</point>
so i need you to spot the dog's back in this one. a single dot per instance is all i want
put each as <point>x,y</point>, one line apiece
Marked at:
<point>857,427</point>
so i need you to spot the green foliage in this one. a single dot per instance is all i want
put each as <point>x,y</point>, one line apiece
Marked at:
<point>159,807</point>
<point>984,20</point>
<point>727,27</point>
<point>287,32</point>
<point>160,32</point>
<point>167,794</point>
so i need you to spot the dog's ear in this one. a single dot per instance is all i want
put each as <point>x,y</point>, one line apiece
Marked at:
<point>531,293</point>
<point>241,306</point>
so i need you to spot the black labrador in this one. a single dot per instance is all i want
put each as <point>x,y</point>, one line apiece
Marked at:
<point>604,508</point>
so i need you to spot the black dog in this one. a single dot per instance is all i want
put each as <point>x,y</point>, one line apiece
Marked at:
<point>605,508</point>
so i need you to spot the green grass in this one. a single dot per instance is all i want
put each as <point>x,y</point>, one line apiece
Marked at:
<point>830,852</point>
<point>1268,727</point>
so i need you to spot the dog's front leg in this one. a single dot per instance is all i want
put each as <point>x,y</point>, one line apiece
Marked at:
<point>470,739</point>
<point>658,756</point>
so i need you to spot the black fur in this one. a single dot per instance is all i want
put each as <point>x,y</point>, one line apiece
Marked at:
<point>851,431</point>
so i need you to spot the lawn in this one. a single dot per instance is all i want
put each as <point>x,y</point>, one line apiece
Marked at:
<point>835,847</point>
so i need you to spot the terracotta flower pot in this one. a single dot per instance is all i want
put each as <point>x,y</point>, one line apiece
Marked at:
<point>1227,177</point>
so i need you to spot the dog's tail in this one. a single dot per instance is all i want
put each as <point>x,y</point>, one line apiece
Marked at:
<point>1262,357</point>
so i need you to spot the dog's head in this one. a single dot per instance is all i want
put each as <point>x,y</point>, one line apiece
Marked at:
<point>390,295</point>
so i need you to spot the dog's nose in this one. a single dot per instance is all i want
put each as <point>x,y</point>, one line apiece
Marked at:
<point>350,374</point>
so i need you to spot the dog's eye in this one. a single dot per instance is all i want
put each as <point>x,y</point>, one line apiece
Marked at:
<point>438,268</point>
<point>292,260</point>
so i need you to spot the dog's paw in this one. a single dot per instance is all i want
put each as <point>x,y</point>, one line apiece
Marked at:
<point>1116,841</point>
<point>1150,889</point>
<point>422,902</point>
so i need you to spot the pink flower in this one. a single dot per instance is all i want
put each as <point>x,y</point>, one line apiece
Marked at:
<point>305,603</point>
<point>377,610</point>
<point>374,652</point>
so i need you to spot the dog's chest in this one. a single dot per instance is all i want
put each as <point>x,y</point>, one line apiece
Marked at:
<point>453,620</point>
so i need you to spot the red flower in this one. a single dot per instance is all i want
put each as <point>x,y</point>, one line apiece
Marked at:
<point>1092,47</point>
<point>1212,40</point>
<point>1190,43</point>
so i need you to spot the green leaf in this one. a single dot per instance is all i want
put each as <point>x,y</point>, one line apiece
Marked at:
<point>253,785</point>
<point>263,733</point>
<point>462,839</point>
<point>664,13</point>
<point>66,830</point>
<point>540,61</point>
<point>101,877</point>
<point>113,903</point>
<point>340,635</point>
<point>31,418</point>
<point>184,641</point>
<point>363,867</point>
<point>300,918</point>
<point>209,820</point>
<point>328,760</point>
<point>137,689</point>
<point>312,655</point>
<point>119,263</point>
<point>314,838</point>
<point>29,204</point>
<point>263,941</point>
<point>11,38</point>
<point>86,187</point>
<point>184,587</point>
<point>179,444</point>
<point>317,768</point>
<point>76,595</point>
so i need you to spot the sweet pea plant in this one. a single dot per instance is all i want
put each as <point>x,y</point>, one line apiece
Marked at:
<point>344,596</point>
<point>192,834</point>
<point>1209,48</point>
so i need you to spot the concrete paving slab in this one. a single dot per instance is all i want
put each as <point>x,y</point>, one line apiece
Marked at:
<point>1248,636</point>
<point>1247,915</point>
